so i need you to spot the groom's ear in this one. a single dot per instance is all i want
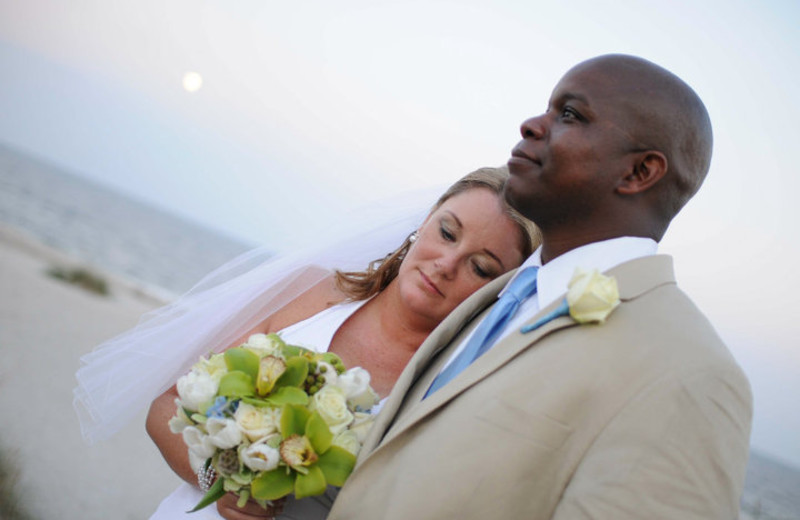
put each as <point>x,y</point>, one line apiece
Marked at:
<point>645,171</point>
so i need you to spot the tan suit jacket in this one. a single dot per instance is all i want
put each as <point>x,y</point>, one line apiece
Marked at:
<point>644,416</point>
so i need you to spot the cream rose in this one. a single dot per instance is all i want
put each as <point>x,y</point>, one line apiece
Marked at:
<point>214,366</point>
<point>196,389</point>
<point>263,345</point>
<point>257,422</point>
<point>331,403</point>
<point>591,296</point>
<point>355,384</point>
<point>348,441</point>
<point>362,423</point>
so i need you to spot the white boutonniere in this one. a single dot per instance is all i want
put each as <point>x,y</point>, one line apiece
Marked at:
<point>591,296</point>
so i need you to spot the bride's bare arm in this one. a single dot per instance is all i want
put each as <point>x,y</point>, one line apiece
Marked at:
<point>317,298</point>
<point>170,445</point>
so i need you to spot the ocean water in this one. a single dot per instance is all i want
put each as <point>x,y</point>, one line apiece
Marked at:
<point>771,490</point>
<point>164,251</point>
<point>107,229</point>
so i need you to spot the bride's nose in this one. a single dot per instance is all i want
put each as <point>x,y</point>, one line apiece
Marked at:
<point>447,265</point>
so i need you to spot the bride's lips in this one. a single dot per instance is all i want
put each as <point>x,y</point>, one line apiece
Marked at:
<point>430,285</point>
<point>522,158</point>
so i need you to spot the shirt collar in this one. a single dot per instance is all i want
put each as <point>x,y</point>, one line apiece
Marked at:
<point>552,278</point>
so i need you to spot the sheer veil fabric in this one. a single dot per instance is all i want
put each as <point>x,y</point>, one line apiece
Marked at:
<point>121,377</point>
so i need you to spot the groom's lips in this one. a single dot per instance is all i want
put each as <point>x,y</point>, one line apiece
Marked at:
<point>518,156</point>
<point>430,285</point>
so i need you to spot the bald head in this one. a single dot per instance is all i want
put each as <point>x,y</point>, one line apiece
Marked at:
<point>662,113</point>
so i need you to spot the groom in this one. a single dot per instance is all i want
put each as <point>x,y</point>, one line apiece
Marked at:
<point>645,415</point>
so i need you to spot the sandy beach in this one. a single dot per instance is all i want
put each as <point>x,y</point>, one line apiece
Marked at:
<point>45,326</point>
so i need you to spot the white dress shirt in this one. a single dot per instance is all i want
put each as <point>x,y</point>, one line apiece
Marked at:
<point>552,278</point>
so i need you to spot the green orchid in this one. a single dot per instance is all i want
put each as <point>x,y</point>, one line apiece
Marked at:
<point>312,461</point>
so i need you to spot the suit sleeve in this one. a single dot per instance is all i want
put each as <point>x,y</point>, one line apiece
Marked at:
<point>677,450</point>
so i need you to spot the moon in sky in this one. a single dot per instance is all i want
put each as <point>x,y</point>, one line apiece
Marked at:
<point>192,82</point>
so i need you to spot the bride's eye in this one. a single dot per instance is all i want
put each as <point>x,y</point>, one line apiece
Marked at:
<point>482,271</point>
<point>447,234</point>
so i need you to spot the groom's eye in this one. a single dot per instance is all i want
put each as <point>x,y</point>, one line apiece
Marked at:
<point>569,113</point>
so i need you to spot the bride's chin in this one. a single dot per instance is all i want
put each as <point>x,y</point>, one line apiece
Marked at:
<point>431,310</point>
<point>414,299</point>
<point>418,302</point>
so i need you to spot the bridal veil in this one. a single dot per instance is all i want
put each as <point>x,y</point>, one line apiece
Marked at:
<point>121,377</point>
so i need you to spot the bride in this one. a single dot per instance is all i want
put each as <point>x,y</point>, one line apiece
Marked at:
<point>375,319</point>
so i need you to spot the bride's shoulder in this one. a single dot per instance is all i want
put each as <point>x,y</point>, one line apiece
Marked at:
<point>315,289</point>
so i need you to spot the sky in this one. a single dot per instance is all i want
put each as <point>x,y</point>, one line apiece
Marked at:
<point>309,109</point>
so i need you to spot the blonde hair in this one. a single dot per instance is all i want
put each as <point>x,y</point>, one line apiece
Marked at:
<point>360,285</point>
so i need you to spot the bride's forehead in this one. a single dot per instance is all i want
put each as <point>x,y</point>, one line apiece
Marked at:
<point>472,201</point>
<point>475,209</point>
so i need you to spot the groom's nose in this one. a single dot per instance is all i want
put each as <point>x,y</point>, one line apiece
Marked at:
<point>533,127</point>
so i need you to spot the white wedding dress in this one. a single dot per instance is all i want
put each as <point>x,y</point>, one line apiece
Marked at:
<point>315,333</point>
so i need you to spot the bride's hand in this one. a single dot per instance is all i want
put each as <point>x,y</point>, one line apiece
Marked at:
<point>226,506</point>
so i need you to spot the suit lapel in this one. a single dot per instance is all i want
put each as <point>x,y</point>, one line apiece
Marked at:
<point>500,354</point>
<point>639,276</point>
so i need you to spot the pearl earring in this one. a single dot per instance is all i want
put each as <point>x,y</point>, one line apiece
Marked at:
<point>413,236</point>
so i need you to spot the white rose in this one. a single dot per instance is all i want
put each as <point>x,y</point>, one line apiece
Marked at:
<point>362,423</point>
<point>355,383</point>
<point>262,345</point>
<point>591,296</point>
<point>347,440</point>
<point>196,389</point>
<point>214,366</point>
<point>260,457</point>
<point>257,422</point>
<point>198,442</point>
<point>223,433</point>
<point>331,403</point>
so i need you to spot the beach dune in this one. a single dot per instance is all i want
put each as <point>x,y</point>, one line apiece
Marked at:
<point>45,326</point>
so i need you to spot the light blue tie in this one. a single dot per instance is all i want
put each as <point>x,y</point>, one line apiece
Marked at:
<point>521,288</point>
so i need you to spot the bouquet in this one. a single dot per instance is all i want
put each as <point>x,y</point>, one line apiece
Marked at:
<point>272,419</point>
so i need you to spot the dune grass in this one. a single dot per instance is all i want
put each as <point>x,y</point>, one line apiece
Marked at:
<point>82,278</point>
